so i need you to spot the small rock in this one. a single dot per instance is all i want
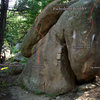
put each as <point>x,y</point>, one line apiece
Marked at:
<point>86,87</point>
<point>3,94</point>
<point>78,99</point>
<point>60,51</point>
<point>97,78</point>
<point>58,56</point>
<point>18,46</point>
<point>26,92</point>
<point>58,97</point>
<point>86,92</point>
<point>87,95</point>
<point>18,57</point>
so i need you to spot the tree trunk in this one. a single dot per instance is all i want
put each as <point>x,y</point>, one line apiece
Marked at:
<point>3,12</point>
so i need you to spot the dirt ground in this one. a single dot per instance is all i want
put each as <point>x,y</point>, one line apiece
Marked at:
<point>10,90</point>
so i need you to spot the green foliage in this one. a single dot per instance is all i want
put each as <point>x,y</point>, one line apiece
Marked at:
<point>7,71</point>
<point>52,96</point>
<point>11,59</point>
<point>13,84</point>
<point>32,8</point>
<point>16,28</point>
<point>20,21</point>
<point>22,86</point>
<point>3,84</point>
<point>38,92</point>
<point>24,60</point>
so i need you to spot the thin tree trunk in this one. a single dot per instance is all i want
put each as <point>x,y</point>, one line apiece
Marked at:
<point>3,13</point>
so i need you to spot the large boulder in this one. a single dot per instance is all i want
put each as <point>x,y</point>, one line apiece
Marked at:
<point>41,26</point>
<point>65,54</point>
<point>81,35</point>
<point>50,72</point>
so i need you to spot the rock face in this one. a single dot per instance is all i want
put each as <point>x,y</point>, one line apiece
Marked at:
<point>41,26</point>
<point>53,73</point>
<point>18,57</point>
<point>68,52</point>
<point>16,68</point>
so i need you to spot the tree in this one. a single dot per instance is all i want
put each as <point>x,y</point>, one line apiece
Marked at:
<point>3,12</point>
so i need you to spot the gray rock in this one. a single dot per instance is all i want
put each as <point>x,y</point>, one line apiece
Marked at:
<point>15,68</point>
<point>41,27</point>
<point>82,55</point>
<point>18,46</point>
<point>18,57</point>
<point>61,57</point>
<point>50,75</point>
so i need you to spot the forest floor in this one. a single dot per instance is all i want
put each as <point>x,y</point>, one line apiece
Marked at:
<point>10,90</point>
